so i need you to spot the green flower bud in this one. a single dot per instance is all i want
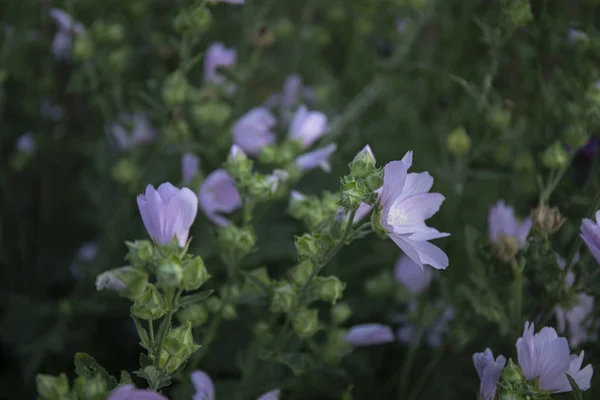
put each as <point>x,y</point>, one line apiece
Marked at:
<point>114,32</point>
<point>124,171</point>
<point>363,164</point>
<point>169,275</point>
<point>175,88</point>
<point>375,181</point>
<point>306,323</point>
<point>65,307</point>
<point>459,142</point>
<point>547,220</point>
<point>262,330</point>
<point>519,11</point>
<point>194,273</point>
<point>308,246</point>
<point>298,205</point>
<point>150,306</point>
<point>512,373</point>
<point>555,157</point>
<point>352,193</point>
<point>169,363</point>
<point>506,248</point>
<point>239,166</point>
<point>129,281</point>
<point>259,274</point>
<point>52,387</point>
<point>499,117</point>
<point>576,136</point>
<point>194,20</point>
<point>91,388</point>
<point>235,241</point>
<point>140,252</point>
<point>196,314</point>
<point>215,113</point>
<point>376,224</point>
<point>83,47</point>
<point>284,297</point>
<point>340,313</point>
<point>328,288</point>
<point>283,28</point>
<point>301,272</point>
<point>179,342</point>
<point>214,304</point>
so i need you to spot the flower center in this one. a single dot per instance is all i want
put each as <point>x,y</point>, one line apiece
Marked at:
<point>397,217</point>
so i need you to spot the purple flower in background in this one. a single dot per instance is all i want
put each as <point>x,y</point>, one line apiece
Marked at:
<point>590,233</point>
<point>217,55</point>
<point>252,132</point>
<point>413,277</point>
<point>293,92</point>
<point>434,334</point>
<point>131,130</point>
<point>26,143</point>
<point>369,334</point>
<point>576,318</point>
<point>86,253</point>
<point>547,356</point>
<point>51,111</point>
<point>204,386</point>
<point>129,392</point>
<point>168,212</point>
<point>489,371</point>
<point>575,36</point>
<point>316,158</point>
<point>503,223</point>
<point>405,205</point>
<point>307,126</point>
<point>190,167</point>
<point>362,211</point>
<point>591,147</point>
<point>219,195</point>
<point>67,28</point>
<point>231,1</point>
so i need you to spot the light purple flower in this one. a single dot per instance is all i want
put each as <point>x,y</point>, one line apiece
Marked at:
<point>361,212</point>
<point>292,88</point>
<point>252,132</point>
<point>131,130</point>
<point>503,222</point>
<point>307,126</point>
<point>204,386</point>
<point>67,28</point>
<point>489,371</point>
<point>545,355</point>
<point>369,334</point>
<point>168,212</point>
<point>405,205</point>
<point>26,143</point>
<point>574,36</point>
<point>316,158</point>
<point>190,166</point>
<point>413,277</point>
<point>590,233</point>
<point>219,195</point>
<point>217,55</point>
<point>577,319</point>
<point>129,392</point>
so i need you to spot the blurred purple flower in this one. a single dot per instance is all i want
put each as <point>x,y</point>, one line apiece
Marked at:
<point>362,211</point>
<point>252,132</point>
<point>51,111</point>
<point>489,371</point>
<point>405,205</point>
<point>316,158</point>
<point>591,147</point>
<point>231,1</point>
<point>307,126</point>
<point>86,253</point>
<point>219,195</point>
<point>590,233</point>
<point>217,55</point>
<point>547,356</point>
<point>413,277</point>
<point>577,319</point>
<point>503,222</point>
<point>204,386</point>
<point>26,143</point>
<point>168,212</point>
<point>67,28</point>
<point>574,36</point>
<point>369,334</point>
<point>190,167</point>
<point>293,92</point>
<point>131,130</point>
<point>434,333</point>
<point>129,392</point>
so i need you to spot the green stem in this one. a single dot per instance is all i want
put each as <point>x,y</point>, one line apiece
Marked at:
<point>518,293</point>
<point>555,180</point>
<point>407,364</point>
<point>165,325</point>
<point>151,330</point>
<point>426,373</point>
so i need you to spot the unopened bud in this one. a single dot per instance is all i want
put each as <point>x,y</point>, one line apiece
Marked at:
<point>194,273</point>
<point>302,271</point>
<point>328,288</point>
<point>196,314</point>
<point>340,313</point>
<point>91,388</point>
<point>284,297</point>
<point>459,142</point>
<point>363,163</point>
<point>52,387</point>
<point>577,136</point>
<point>83,47</point>
<point>547,220</point>
<point>150,306</point>
<point>308,246</point>
<point>555,157</point>
<point>140,252</point>
<point>352,193</point>
<point>174,91</point>
<point>124,171</point>
<point>512,373</point>
<point>506,248</point>
<point>130,282</point>
<point>239,166</point>
<point>169,275</point>
<point>519,11</point>
<point>298,205</point>
<point>306,323</point>
<point>499,117</point>
<point>179,342</point>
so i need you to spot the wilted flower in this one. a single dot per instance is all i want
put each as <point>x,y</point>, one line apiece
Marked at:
<point>190,166</point>
<point>307,126</point>
<point>547,356</point>
<point>67,28</point>
<point>218,194</point>
<point>131,130</point>
<point>590,233</point>
<point>168,212</point>
<point>316,158</point>
<point>413,277</point>
<point>129,392</point>
<point>26,143</point>
<point>252,131</point>
<point>217,55</point>
<point>489,371</point>
<point>369,334</point>
<point>205,388</point>
<point>405,205</point>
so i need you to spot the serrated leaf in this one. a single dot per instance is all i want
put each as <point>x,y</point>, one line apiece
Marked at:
<point>195,298</point>
<point>577,394</point>
<point>155,377</point>
<point>298,363</point>
<point>86,366</point>
<point>125,378</point>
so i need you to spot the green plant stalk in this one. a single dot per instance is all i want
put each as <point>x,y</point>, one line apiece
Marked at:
<point>407,364</point>
<point>424,377</point>
<point>518,293</point>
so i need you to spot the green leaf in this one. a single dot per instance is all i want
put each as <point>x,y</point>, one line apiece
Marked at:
<point>156,378</point>
<point>296,362</point>
<point>125,378</point>
<point>145,361</point>
<point>576,391</point>
<point>87,367</point>
<point>195,298</point>
<point>257,282</point>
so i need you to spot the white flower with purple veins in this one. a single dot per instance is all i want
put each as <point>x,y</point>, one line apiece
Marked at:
<point>131,130</point>
<point>205,388</point>
<point>26,143</point>
<point>190,167</point>
<point>253,131</point>
<point>316,158</point>
<point>546,356</point>
<point>217,56</point>
<point>67,28</point>
<point>489,371</point>
<point>369,334</point>
<point>168,212</point>
<point>590,233</point>
<point>413,277</point>
<point>218,194</point>
<point>503,224</point>
<point>405,204</point>
<point>307,126</point>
